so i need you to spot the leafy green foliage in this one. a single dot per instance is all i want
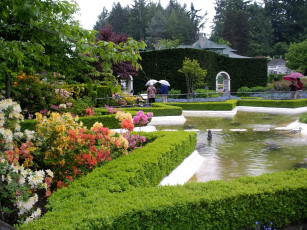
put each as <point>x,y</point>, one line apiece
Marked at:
<point>297,57</point>
<point>194,74</point>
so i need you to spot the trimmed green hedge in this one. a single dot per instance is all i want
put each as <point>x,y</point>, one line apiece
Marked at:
<point>145,167</point>
<point>228,105</point>
<point>164,64</point>
<point>158,109</point>
<point>124,194</point>
<point>274,103</point>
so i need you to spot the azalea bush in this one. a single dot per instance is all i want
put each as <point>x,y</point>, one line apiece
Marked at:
<point>58,152</point>
<point>142,119</point>
<point>18,183</point>
<point>71,150</point>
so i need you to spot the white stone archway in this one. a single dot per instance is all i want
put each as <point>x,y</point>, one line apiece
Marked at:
<point>222,82</point>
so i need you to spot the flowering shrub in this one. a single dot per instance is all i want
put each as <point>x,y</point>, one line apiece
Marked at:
<point>17,190</point>
<point>141,119</point>
<point>89,112</point>
<point>18,184</point>
<point>135,141</point>
<point>9,122</point>
<point>71,150</point>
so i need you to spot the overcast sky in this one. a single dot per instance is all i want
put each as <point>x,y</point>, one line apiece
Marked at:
<point>90,9</point>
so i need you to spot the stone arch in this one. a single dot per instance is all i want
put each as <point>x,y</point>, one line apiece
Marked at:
<point>222,82</point>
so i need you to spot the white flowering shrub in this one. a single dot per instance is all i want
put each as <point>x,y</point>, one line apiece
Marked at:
<point>17,183</point>
<point>10,116</point>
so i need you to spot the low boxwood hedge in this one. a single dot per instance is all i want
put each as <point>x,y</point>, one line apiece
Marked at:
<point>227,105</point>
<point>274,103</point>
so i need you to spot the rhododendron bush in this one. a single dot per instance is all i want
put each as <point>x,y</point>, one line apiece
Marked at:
<point>59,151</point>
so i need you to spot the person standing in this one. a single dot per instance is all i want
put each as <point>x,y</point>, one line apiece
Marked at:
<point>151,92</point>
<point>164,92</point>
<point>292,87</point>
<point>299,88</point>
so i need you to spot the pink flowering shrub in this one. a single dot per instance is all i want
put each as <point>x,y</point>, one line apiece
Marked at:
<point>141,119</point>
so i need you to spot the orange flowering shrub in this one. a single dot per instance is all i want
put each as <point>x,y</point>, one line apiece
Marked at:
<point>71,150</point>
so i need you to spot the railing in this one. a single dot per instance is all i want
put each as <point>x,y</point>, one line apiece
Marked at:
<point>141,100</point>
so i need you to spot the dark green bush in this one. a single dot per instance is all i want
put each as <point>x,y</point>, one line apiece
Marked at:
<point>174,91</point>
<point>204,93</point>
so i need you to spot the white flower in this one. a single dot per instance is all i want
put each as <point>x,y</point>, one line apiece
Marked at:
<point>9,179</point>
<point>18,134</point>
<point>62,106</point>
<point>49,173</point>
<point>22,180</point>
<point>29,134</point>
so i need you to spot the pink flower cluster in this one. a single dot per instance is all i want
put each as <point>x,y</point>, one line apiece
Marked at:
<point>63,93</point>
<point>111,110</point>
<point>135,141</point>
<point>141,119</point>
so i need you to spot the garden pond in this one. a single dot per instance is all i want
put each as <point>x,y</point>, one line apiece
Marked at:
<point>260,149</point>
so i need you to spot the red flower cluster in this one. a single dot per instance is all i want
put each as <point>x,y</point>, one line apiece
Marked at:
<point>89,112</point>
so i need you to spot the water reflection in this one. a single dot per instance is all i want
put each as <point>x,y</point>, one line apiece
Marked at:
<point>233,154</point>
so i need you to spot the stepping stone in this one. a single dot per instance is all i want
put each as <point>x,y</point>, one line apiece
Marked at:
<point>237,130</point>
<point>261,129</point>
<point>215,130</point>
<point>192,130</point>
<point>283,128</point>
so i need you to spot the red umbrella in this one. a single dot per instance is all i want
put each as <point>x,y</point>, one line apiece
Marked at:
<point>293,75</point>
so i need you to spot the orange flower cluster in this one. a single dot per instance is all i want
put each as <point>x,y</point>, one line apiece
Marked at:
<point>23,77</point>
<point>128,124</point>
<point>13,156</point>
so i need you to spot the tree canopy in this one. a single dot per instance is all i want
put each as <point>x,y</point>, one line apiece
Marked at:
<point>151,22</point>
<point>39,36</point>
<point>260,26</point>
<point>297,57</point>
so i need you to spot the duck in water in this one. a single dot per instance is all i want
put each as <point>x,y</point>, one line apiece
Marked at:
<point>209,138</point>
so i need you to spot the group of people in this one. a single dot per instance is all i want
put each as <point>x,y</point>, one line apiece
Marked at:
<point>151,93</point>
<point>296,89</point>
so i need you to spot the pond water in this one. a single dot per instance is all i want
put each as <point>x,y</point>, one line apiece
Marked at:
<point>232,154</point>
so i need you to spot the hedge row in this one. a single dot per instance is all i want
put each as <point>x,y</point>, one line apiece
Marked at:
<point>71,208</point>
<point>158,109</point>
<point>228,105</point>
<point>274,103</point>
<point>164,64</point>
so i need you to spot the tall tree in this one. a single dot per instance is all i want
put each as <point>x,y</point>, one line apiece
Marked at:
<point>139,19</point>
<point>236,31</point>
<point>261,31</point>
<point>156,29</point>
<point>288,18</point>
<point>102,19</point>
<point>119,19</point>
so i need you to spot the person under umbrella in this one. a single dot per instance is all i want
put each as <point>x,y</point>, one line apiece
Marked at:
<point>299,88</point>
<point>164,90</point>
<point>151,94</point>
<point>292,87</point>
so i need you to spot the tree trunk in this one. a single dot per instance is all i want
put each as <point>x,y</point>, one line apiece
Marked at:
<point>8,86</point>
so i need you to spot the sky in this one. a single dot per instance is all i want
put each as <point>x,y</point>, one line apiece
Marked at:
<point>90,9</point>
